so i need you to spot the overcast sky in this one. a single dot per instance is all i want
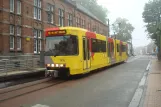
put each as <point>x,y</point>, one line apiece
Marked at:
<point>131,10</point>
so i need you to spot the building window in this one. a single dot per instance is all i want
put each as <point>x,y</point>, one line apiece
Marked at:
<point>11,5</point>
<point>11,30</point>
<point>11,37</point>
<point>37,9</point>
<point>94,28</point>
<point>70,19</point>
<point>97,29</point>
<point>18,38</point>
<point>18,7</point>
<point>83,24</point>
<point>11,42</point>
<point>61,17</point>
<point>77,22</point>
<point>50,13</point>
<point>37,40</point>
<point>89,26</point>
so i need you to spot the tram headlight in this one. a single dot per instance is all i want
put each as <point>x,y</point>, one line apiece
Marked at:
<point>61,65</point>
<point>57,65</point>
<point>48,65</point>
<point>52,65</point>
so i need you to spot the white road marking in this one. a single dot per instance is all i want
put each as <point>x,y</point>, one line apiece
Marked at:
<point>39,105</point>
<point>148,67</point>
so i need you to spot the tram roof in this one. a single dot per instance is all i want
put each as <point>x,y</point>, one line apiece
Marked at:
<point>67,28</point>
<point>77,29</point>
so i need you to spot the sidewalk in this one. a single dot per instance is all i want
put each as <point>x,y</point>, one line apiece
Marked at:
<point>153,92</point>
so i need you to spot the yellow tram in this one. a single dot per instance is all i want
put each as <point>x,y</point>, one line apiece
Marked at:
<point>72,51</point>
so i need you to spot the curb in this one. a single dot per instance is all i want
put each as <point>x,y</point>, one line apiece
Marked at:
<point>135,102</point>
<point>149,66</point>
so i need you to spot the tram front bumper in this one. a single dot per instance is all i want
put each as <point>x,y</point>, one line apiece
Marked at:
<point>51,73</point>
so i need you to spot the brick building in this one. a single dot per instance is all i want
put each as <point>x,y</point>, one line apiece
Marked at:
<point>22,22</point>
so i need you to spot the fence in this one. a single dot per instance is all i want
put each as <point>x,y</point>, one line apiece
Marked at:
<point>19,63</point>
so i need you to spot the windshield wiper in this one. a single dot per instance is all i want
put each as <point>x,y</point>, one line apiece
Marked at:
<point>52,52</point>
<point>49,52</point>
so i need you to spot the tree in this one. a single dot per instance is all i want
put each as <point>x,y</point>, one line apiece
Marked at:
<point>152,18</point>
<point>98,10</point>
<point>123,29</point>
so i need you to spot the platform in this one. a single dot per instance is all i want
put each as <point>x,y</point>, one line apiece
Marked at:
<point>20,73</point>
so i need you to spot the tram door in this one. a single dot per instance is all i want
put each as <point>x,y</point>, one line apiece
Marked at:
<point>86,54</point>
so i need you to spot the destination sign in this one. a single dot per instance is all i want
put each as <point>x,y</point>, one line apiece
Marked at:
<point>58,32</point>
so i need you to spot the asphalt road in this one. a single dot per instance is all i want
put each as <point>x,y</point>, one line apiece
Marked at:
<point>113,87</point>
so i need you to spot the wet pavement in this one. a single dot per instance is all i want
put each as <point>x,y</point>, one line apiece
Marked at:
<point>113,87</point>
<point>152,95</point>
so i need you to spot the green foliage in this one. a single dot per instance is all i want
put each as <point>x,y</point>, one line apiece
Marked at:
<point>98,10</point>
<point>151,16</point>
<point>123,29</point>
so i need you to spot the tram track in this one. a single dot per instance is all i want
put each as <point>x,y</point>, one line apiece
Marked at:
<point>14,82</point>
<point>27,88</point>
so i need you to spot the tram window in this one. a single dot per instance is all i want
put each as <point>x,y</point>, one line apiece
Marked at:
<point>123,48</point>
<point>98,45</point>
<point>103,46</point>
<point>94,45</point>
<point>112,47</point>
<point>109,49</point>
<point>84,49</point>
<point>118,48</point>
<point>88,52</point>
<point>62,45</point>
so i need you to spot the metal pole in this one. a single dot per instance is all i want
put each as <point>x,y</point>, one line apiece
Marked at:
<point>115,44</point>
<point>108,28</point>
<point>131,46</point>
<point>42,58</point>
<point>158,34</point>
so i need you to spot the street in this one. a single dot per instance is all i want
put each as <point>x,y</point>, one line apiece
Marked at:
<point>113,87</point>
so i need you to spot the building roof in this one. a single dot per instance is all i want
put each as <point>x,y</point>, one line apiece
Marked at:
<point>70,1</point>
<point>84,10</point>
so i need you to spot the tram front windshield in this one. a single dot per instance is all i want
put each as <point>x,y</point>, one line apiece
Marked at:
<point>61,46</point>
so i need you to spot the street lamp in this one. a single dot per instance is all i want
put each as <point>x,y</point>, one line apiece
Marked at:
<point>119,24</point>
<point>115,36</point>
